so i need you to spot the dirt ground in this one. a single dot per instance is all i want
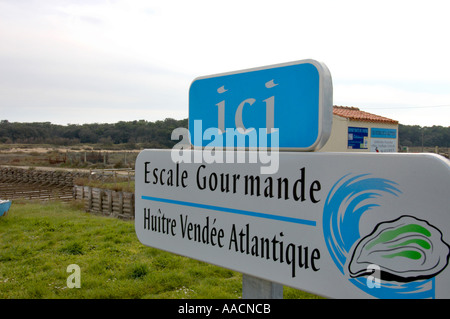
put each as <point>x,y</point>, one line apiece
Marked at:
<point>83,157</point>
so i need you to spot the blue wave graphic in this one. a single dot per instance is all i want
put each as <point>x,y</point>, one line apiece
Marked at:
<point>421,289</point>
<point>349,198</point>
<point>343,210</point>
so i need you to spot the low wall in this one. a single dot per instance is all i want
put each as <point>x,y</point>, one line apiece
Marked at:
<point>105,201</point>
<point>42,177</point>
<point>14,191</point>
<point>37,184</point>
<point>42,184</point>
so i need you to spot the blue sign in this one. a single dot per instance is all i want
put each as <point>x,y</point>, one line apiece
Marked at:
<point>383,133</point>
<point>358,137</point>
<point>285,105</point>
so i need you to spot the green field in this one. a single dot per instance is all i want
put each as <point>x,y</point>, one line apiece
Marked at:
<point>38,241</point>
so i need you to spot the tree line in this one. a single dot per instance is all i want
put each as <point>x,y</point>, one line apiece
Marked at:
<point>150,134</point>
<point>158,134</point>
<point>430,136</point>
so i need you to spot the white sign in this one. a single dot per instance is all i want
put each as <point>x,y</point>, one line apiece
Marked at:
<point>383,145</point>
<point>335,224</point>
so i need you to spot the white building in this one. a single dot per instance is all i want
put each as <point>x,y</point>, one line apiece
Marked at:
<point>354,130</point>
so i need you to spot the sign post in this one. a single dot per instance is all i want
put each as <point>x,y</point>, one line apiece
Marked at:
<point>256,288</point>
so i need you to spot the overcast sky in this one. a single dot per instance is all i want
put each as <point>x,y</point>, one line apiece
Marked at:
<point>87,61</point>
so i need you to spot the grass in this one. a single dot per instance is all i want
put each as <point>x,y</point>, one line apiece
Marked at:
<point>123,186</point>
<point>38,241</point>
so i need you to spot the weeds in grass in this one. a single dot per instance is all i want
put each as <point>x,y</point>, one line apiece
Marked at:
<point>138,271</point>
<point>72,248</point>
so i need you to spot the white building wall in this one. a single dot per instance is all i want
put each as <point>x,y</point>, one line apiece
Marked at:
<point>339,138</point>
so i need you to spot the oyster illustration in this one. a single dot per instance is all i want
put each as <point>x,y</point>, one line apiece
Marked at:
<point>405,249</point>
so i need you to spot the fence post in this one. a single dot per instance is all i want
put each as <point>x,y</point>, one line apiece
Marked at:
<point>100,200</point>
<point>120,203</point>
<point>89,197</point>
<point>109,197</point>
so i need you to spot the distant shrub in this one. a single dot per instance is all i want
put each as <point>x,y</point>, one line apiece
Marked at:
<point>138,271</point>
<point>74,248</point>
